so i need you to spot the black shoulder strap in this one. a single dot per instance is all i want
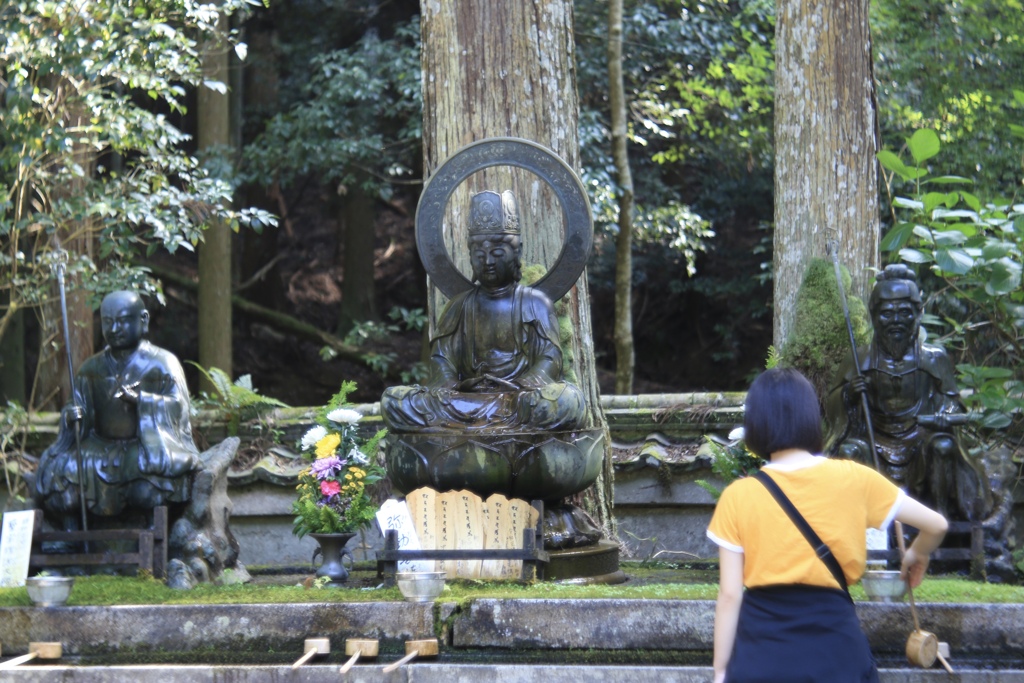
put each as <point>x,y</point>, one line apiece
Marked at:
<point>820,549</point>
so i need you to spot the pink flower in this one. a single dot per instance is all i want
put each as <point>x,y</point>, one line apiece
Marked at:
<point>330,488</point>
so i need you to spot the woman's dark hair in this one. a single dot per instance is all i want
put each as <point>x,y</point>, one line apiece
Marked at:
<point>782,412</point>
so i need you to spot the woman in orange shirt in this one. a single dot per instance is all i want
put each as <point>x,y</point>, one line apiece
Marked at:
<point>795,621</point>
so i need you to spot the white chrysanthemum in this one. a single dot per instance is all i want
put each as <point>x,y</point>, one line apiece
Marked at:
<point>358,457</point>
<point>737,434</point>
<point>344,416</point>
<point>310,438</point>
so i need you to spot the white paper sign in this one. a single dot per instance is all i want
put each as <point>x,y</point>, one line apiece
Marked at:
<point>15,547</point>
<point>394,514</point>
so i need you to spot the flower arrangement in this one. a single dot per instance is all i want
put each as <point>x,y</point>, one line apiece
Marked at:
<point>333,496</point>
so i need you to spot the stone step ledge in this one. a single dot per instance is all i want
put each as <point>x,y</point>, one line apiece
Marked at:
<point>443,673</point>
<point>517,625</point>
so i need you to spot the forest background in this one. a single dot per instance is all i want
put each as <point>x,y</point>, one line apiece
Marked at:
<point>325,114</point>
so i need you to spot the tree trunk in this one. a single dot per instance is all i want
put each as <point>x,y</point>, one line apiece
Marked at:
<point>356,226</point>
<point>259,250</point>
<point>12,356</point>
<point>508,69</point>
<point>624,354</point>
<point>213,137</point>
<point>825,143</point>
<point>52,388</point>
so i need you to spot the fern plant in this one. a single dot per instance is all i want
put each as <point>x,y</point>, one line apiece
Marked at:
<point>729,461</point>
<point>236,400</point>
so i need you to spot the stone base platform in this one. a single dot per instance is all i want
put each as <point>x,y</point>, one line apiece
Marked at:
<point>616,640</point>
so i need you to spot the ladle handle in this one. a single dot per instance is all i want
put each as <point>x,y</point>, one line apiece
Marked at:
<point>310,653</point>
<point>348,665</point>
<point>408,658</point>
<point>945,664</point>
<point>910,590</point>
<point>11,663</point>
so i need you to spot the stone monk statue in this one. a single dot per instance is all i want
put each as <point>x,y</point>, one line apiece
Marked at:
<point>495,363</point>
<point>133,410</point>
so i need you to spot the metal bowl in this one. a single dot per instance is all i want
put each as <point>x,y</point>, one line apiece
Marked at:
<point>883,585</point>
<point>49,591</point>
<point>420,586</point>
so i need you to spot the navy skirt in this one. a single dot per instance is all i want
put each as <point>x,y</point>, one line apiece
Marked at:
<point>799,634</point>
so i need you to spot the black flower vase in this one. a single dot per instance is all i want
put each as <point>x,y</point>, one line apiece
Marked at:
<point>333,551</point>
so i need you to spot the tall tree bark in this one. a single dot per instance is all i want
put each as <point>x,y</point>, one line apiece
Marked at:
<point>356,227</point>
<point>12,356</point>
<point>259,87</point>
<point>825,143</point>
<point>52,388</point>
<point>494,69</point>
<point>213,137</point>
<point>624,353</point>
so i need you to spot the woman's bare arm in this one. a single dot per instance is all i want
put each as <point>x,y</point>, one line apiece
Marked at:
<point>931,528</point>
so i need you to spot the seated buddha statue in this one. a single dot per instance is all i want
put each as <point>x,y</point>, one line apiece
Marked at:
<point>496,361</point>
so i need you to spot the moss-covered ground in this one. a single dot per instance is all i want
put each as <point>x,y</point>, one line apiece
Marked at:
<point>645,581</point>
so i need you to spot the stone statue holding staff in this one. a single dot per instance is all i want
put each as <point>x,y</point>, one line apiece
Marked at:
<point>132,407</point>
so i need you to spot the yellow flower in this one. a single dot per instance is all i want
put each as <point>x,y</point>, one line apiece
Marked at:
<point>326,446</point>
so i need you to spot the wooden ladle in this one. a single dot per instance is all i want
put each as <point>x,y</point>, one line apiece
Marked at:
<point>311,648</point>
<point>356,648</point>
<point>922,646</point>
<point>415,648</point>
<point>40,650</point>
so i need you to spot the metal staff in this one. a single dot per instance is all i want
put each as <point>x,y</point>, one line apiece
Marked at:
<point>832,247</point>
<point>60,267</point>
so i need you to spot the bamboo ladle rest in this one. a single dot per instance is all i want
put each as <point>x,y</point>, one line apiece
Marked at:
<point>356,648</point>
<point>311,648</point>
<point>415,648</point>
<point>922,646</point>
<point>40,650</point>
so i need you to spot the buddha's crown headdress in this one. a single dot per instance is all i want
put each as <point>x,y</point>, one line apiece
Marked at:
<point>491,213</point>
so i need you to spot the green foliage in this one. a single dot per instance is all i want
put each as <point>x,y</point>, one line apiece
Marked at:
<point>13,423</point>
<point>410,318</point>
<point>657,40</point>
<point>371,334</point>
<point>88,148</point>
<point>730,96</point>
<point>359,120</point>
<point>967,249</point>
<point>235,401</point>
<point>820,341</point>
<point>697,78</point>
<point>531,274</point>
<point>952,67</point>
<point>729,461</point>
